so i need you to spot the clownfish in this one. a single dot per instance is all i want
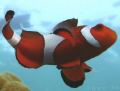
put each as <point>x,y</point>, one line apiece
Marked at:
<point>68,47</point>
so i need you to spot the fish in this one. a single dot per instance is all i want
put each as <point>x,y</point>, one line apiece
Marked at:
<point>68,47</point>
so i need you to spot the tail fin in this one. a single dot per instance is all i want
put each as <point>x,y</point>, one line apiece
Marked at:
<point>29,46</point>
<point>8,33</point>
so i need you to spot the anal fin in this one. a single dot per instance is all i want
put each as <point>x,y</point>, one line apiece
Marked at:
<point>86,67</point>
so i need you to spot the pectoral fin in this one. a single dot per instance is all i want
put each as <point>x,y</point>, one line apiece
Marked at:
<point>66,34</point>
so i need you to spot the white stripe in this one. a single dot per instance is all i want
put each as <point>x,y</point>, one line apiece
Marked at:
<point>88,36</point>
<point>51,42</point>
<point>14,40</point>
<point>7,22</point>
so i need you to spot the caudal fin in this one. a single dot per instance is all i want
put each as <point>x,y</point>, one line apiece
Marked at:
<point>8,33</point>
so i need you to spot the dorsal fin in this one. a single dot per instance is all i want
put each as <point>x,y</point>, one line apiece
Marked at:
<point>29,51</point>
<point>63,29</point>
<point>66,24</point>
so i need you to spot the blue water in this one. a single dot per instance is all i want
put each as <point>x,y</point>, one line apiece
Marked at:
<point>41,16</point>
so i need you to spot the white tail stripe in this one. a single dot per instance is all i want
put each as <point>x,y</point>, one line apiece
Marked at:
<point>7,22</point>
<point>14,40</point>
<point>88,36</point>
<point>51,42</point>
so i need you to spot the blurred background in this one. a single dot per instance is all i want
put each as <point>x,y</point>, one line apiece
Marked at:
<point>42,16</point>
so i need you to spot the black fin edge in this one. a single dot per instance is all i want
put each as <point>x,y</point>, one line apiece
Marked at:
<point>60,67</point>
<point>10,12</point>
<point>29,32</point>
<point>88,70</point>
<point>70,83</point>
<point>61,29</point>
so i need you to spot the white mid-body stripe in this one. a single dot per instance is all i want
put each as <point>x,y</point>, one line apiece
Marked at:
<point>51,42</point>
<point>89,37</point>
<point>14,40</point>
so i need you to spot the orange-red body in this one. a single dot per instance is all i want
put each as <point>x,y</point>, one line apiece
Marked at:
<point>76,45</point>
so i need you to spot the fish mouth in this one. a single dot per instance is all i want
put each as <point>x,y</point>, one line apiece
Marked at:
<point>110,39</point>
<point>113,37</point>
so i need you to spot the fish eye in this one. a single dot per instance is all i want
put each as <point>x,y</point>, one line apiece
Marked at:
<point>99,26</point>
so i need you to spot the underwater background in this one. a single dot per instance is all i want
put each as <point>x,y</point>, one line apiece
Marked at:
<point>42,16</point>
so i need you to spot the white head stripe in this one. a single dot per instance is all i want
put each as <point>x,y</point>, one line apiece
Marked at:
<point>14,40</point>
<point>88,36</point>
<point>51,42</point>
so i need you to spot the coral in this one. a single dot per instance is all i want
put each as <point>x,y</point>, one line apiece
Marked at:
<point>10,82</point>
